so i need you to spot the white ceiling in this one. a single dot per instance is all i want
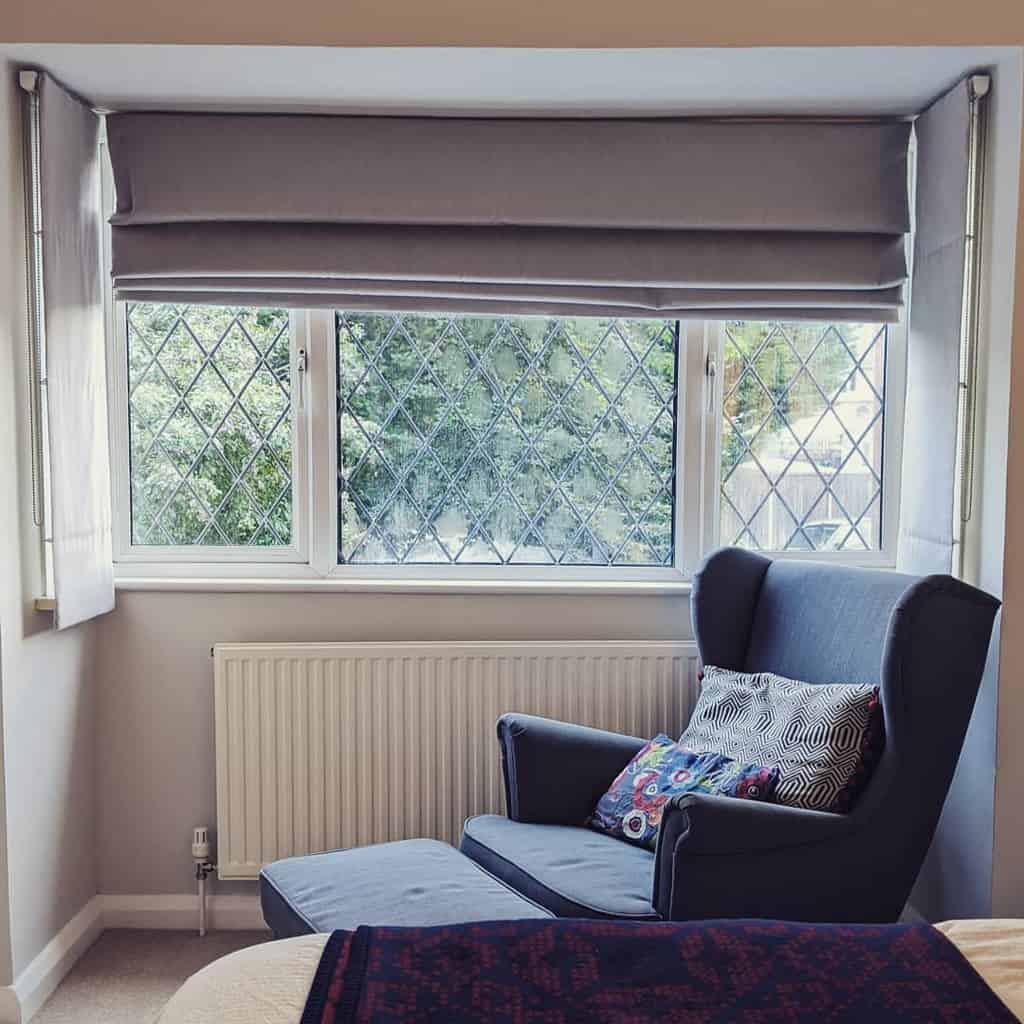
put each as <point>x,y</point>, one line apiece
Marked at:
<point>843,81</point>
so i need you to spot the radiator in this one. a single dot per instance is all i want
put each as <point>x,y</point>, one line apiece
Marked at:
<point>322,746</point>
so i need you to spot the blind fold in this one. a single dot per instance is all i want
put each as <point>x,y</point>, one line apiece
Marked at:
<point>588,217</point>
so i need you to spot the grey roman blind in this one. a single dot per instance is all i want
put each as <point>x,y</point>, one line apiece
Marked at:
<point>658,217</point>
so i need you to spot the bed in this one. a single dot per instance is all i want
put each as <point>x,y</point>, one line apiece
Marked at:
<point>271,983</point>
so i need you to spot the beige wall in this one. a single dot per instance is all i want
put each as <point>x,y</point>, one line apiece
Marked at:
<point>47,856</point>
<point>155,691</point>
<point>155,765</point>
<point>154,678</point>
<point>574,23</point>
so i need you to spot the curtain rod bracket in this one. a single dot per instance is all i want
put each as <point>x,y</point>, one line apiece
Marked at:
<point>979,86</point>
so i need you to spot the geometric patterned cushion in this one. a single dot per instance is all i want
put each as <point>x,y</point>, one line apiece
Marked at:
<point>823,738</point>
<point>660,770</point>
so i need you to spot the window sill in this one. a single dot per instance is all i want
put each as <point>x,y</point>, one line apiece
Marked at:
<point>221,585</point>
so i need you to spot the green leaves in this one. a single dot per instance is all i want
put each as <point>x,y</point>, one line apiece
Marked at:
<point>802,435</point>
<point>548,440</point>
<point>210,425</point>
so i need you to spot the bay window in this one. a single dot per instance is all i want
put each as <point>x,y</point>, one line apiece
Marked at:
<point>263,442</point>
<point>440,370</point>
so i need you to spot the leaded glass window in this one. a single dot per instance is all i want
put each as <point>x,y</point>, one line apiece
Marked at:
<point>506,440</point>
<point>802,433</point>
<point>210,425</point>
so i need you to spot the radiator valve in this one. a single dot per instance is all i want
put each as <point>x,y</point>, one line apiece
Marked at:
<point>201,844</point>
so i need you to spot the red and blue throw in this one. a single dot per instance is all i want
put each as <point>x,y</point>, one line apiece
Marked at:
<point>711,972</point>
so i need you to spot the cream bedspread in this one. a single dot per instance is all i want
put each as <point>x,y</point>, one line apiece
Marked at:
<point>995,950</point>
<point>267,984</point>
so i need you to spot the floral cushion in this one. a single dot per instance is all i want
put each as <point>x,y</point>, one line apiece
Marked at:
<point>633,805</point>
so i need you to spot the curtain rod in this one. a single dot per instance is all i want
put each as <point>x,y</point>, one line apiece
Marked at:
<point>978,89</point>
<point>36,329</point>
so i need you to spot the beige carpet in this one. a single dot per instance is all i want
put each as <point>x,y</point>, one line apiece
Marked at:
<point>127,976</point>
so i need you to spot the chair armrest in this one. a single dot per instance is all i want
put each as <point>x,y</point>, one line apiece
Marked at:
<point>555,772</point>
<point>723,857</point>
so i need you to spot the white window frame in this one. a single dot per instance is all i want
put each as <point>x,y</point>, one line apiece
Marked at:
<point>894,398</point>
<point>323,367</point>
<point>314,554</point>
<point>145,559</point>
<point>312,558</point>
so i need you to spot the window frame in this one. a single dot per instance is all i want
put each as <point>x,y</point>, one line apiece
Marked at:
<point>893,404</point>
<point>324,367</point>
<point>314,554</point>
<point>312,558</point>
<point>159,559</point>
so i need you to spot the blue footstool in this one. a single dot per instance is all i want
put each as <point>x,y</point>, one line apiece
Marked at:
<point>412,882</point>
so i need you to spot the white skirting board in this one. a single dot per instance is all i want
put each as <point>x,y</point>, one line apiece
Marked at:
<point>230,912</point>
<point>174,911</point>
<point>32,987</point>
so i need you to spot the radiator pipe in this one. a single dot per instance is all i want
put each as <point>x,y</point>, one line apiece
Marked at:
<point>202,870</point>
<point>201,856</point>
<point>201,878</point>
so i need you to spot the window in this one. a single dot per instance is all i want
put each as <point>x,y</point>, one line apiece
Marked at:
<point>802,436</point>
<point>266,442</point>
<point>491,440</point>
<point>211,437</point>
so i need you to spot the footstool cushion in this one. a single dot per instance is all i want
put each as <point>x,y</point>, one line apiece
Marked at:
<point>413,882</point>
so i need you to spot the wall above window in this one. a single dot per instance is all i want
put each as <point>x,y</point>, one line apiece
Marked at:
<point>505,79</point>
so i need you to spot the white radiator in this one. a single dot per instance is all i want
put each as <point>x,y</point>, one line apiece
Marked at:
<point>321,746</point>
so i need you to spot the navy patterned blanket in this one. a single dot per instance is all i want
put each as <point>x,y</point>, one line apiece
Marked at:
<point>707,972</point>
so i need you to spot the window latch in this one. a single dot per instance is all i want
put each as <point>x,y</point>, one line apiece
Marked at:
<point>710,370</point>
<point>300,369</point>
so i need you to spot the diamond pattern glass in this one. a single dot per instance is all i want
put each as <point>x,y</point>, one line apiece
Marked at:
<point>802,434</point>
<point>497,440</point>
<point>210,425</point>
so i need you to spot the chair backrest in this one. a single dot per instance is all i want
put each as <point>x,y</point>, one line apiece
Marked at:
<point>823,623</point>
<point>806,620</point>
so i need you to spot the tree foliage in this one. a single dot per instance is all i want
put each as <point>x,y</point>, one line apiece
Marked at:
<point>493,439</point>
<point>210,432</point>
<point>778,372</point>
<point>472,438</point>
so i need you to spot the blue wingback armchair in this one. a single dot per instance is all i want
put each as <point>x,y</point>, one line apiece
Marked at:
<point>923,640</point>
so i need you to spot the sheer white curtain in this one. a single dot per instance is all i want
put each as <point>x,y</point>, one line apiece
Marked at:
<point>73,331</point>
<point>930,439</point>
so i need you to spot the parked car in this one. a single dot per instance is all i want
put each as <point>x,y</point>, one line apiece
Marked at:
<point>825,534</point>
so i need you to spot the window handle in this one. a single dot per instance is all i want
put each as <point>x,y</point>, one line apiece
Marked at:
<point>710,371</point>
<point>301,366</point>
